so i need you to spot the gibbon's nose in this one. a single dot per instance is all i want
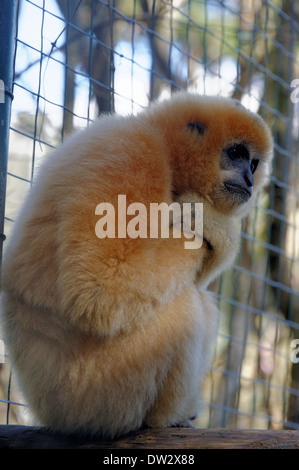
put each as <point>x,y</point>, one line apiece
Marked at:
<point>249,179</point>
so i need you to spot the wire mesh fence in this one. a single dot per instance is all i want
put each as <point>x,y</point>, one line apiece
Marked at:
<point>77,59</point>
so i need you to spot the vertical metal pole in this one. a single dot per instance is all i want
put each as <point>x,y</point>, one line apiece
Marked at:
<point>7,41</point>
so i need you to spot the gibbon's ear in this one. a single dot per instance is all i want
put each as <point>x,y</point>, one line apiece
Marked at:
<point>197,126</point>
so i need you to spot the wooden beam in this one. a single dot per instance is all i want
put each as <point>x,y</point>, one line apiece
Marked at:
<point>32,437</point>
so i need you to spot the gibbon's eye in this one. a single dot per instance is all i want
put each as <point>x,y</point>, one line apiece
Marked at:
<point>238,152</point>
<point>197,126</point>
<point>253,165</point>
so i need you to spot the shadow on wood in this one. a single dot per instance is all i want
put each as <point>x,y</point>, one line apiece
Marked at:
<point>32,437</point>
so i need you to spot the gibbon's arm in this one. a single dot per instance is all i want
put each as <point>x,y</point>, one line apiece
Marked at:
<point>221,238</point>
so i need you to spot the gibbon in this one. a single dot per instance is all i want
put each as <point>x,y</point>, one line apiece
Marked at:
<point>110,334</point>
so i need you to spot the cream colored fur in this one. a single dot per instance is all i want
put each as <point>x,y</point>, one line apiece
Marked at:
<point>108,335</point>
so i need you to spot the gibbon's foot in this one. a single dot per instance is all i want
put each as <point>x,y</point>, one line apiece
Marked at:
<point>183,424</point>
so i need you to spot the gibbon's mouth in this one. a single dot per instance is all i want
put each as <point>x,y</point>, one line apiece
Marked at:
<point>244,192</point>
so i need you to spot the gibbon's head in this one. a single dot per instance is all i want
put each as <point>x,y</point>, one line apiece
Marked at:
<point>217,149</point>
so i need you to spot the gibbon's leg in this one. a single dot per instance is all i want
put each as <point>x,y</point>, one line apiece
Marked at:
<point>179,399</point>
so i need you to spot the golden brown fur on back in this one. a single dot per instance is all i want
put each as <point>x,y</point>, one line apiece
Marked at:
<point>109,334</point>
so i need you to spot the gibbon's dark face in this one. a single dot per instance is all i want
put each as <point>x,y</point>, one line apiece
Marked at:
<point>240,167</point>
<point>237,167</point>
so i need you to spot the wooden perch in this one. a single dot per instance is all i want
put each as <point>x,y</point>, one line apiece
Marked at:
<point>32,437</point>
